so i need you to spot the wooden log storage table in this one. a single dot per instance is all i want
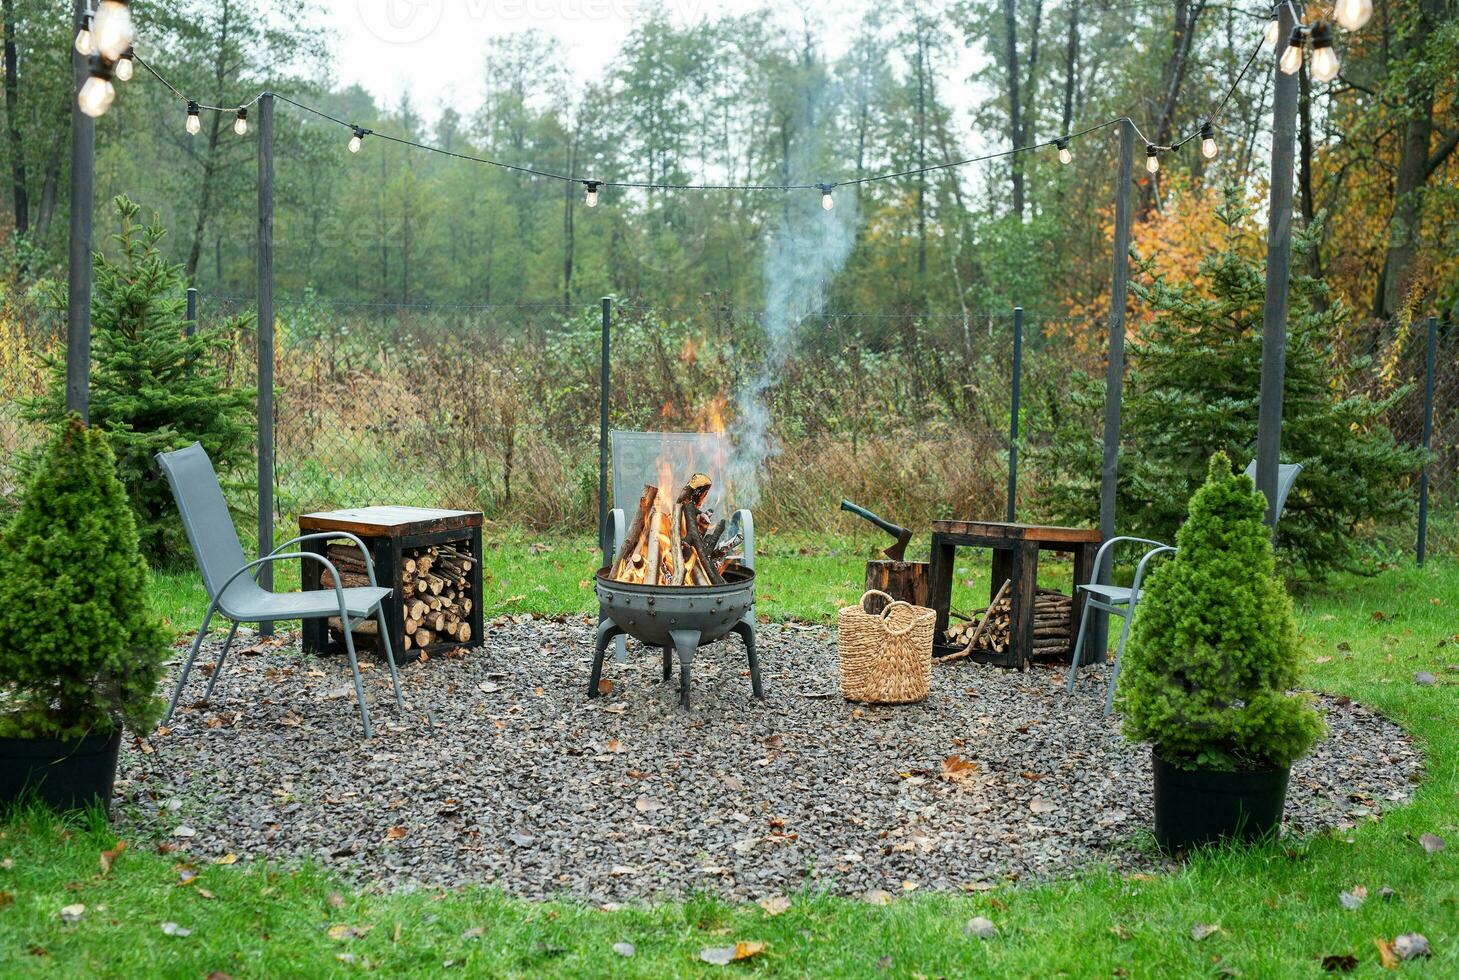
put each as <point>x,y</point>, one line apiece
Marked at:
<point>1015,550</point>
<point>443,604</point>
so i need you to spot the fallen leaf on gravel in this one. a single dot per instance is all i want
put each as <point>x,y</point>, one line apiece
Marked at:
<point>605,686</point>
<point>107,857</point>
<point>173,929</point>
<point>73,913</point>
<point>623,869</point>
<point>1411,946</point>
<point>229,858</point>
<point>616,709</point>
<point>395,833</point>
<point>1202,930</point>
<point>1340,963</point>
<point>1353,899</point>
<point>878,896</point>
<point>186,876</point>
<point>521,840</point>
<point>955,768</point>
<point>981,927</point>
<point>723,955</point>
<point>1432,843</point>
<point>775,904</point>
<point>613,745</point>
<point>1040,805</point>
<point>644,804</point>
<point>624,949</point>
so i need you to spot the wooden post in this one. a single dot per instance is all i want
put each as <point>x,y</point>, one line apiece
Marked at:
<point>1012,508</point>
<point>78,290</point>
<point>1278,261</point>
<point>604,378</point>
<point>1114,379</point>
<point>1430,358</point>
<point>266,341</point>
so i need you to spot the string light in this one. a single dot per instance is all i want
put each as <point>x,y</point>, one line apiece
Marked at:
<point>591,197</point>
<point>124,67</point>
<point>1152,158</point>
<point>1292,57</point>
<point>1324,57</point>
<point>1273,32</point>
<point>827,201</point>
<point>193,122</point>
<point>358,138</point>
<point>1063,144</point>
<point>111,27</point>
<point>1209,149</point>
<point>85,43</point>
<point>96,93</point>
<point>240,123</point>
<point>1352,14</point>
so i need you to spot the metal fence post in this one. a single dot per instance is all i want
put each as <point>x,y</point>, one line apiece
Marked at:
<point>1430,357</point>
<point>1013,413</point>
<point>78,292</point>
<point>192,310</point>
<point>604,379</point>
<point>266,341</point>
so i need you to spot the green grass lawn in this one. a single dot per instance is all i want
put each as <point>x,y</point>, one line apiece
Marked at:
<point>1277,907</point>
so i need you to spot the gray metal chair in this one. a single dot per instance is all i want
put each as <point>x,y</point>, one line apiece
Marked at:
<point>636,457</point>
<point>1121,601</point>
<point>239,597</point>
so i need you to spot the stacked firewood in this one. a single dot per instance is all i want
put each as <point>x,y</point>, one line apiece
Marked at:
<point>435,591</point>
<point>991,631</point>
<point>675,542</point>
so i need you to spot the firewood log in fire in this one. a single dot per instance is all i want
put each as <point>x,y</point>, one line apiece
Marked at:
<point>666,544</point>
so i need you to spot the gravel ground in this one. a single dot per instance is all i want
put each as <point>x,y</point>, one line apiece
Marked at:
<point>525,783</point>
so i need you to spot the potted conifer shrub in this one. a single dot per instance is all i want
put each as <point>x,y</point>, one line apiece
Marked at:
<point>81,653</point>
<point>1209,670</point>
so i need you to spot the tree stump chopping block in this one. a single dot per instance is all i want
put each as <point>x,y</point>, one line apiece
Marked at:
<point>904,580</point>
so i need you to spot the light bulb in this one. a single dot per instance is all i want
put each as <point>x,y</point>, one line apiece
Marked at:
<point>354,144</point>
<point>193,122</point>
<point>1209,149</point>
<point>1324,63</point>
<point>1291,60</point>
<point>124,68</point>
<point>1064,155</point>
<point>112,28</point>
<point>1273,31</point>
<point>591,198</point>
<point>827,201</point>
<point>1152,159</point>
<point>240,125</point>
<point>1352,14</point>
<point>96,96</point>
<point>85,43</point>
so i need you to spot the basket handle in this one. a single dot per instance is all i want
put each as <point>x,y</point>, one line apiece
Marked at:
<point>898,630</point>
<point>871,592</point>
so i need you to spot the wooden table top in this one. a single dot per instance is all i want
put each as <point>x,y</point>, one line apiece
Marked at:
<point>1000,531</point>
<point>389,520</point>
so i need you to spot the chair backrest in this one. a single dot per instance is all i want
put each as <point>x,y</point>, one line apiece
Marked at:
<point>1286,476</point>
<point>205,515</point>
<point>637,457</point>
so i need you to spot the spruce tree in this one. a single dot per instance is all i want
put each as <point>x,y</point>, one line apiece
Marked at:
<point>80,650</point>
<point>154,388</point>
<point>1214,650</point>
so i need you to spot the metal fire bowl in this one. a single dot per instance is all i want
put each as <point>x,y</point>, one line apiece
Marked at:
<point>649,612</point>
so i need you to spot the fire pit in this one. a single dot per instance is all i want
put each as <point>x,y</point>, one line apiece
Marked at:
<point>678,619</point>
<point>675,585</point>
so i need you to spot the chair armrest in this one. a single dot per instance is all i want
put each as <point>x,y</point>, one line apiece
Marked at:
<point>1104,549</point>
<point>1145,560</point>
<point>746,521</point>
<point>331,535</point>
<point>617,532</point>
<point>259,562</point>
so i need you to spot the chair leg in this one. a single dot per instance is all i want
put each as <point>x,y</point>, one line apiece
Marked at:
<point>1079,643</point>
<point>349,646</point>
<point>1114,675</point>
<point>218,668</point>
<point>607,630</point>
<point>620,648</point>
<point>686,642</point>
<point>389,656</point>
<point>188,666</point>
<point>746,630</point>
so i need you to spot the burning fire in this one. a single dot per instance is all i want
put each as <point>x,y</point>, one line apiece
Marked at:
<point>680,546</point>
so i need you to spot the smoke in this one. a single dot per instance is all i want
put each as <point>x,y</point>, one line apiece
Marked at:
<point>802,258</point>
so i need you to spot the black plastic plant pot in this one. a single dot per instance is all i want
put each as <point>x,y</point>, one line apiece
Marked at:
<point>64,774</point>
<point>1195,807</point>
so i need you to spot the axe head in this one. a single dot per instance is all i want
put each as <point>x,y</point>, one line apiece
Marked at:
<point>898,551</point>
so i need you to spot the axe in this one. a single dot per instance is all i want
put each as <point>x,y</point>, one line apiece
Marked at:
<point>897,550</point>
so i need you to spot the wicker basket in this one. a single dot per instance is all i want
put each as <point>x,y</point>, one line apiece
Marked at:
<point>886,658</point>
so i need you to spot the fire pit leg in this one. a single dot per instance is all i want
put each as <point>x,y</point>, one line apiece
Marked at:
<point>668,662</point>
<point>607,630</point>
<point>746,629</point>
<point>685,643</point>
